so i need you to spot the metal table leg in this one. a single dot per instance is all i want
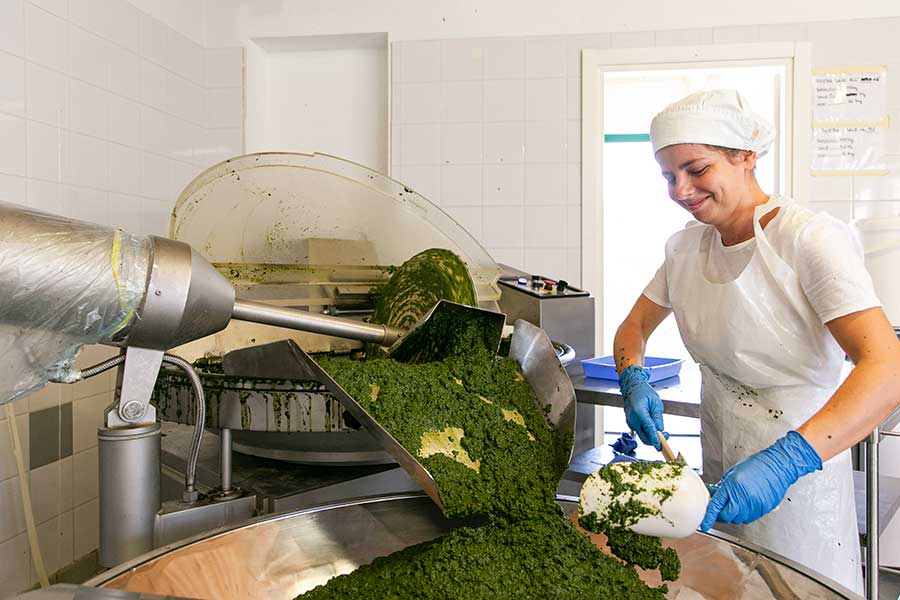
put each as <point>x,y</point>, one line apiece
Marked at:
<point>872,526</point>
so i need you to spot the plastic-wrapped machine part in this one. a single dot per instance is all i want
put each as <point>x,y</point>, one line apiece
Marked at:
<point>63,284</point>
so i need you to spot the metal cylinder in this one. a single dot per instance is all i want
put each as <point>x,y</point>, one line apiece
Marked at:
<point>872,525</point>
<point>257,312</point>
<point>129,491</point>
<point>225,458</point>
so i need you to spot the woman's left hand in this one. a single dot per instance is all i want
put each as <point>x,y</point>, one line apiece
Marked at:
<point>757,484</point>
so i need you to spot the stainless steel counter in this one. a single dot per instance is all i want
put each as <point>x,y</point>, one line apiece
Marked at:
<point>680,394</point>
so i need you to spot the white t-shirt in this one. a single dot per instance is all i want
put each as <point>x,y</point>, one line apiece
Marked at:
<point>823,251</point>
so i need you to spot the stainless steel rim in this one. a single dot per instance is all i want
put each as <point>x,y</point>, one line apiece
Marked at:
<point>564,500</point>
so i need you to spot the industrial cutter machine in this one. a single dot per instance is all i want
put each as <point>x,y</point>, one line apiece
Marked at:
<point>269,237</point>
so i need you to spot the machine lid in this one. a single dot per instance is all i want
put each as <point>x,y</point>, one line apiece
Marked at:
<point>264,208</point>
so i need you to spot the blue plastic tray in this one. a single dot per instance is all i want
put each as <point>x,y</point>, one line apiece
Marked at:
<point>604,367</point>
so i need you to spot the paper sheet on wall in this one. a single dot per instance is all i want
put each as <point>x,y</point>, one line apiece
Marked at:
<point>837,150</point>
<point>850,120</point>
<point>856,94</point>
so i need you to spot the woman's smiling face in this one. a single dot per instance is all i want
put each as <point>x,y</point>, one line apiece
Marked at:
<point>706,181</point>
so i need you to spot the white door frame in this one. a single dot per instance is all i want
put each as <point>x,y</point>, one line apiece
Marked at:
<point>595,63</point>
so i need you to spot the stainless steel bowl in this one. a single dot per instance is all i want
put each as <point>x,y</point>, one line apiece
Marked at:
<point>283,556</point>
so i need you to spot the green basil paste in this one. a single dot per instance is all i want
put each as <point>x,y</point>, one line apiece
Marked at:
<point>473,421</point>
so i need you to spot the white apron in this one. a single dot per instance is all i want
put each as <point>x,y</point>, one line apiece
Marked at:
<point>768,364</point>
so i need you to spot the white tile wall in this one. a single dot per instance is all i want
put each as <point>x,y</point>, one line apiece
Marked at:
<point>85,487</point>
<point>546,260</point>
<point>60,8</point>
<point>15,566</point>
<point>463,101</point>
<point>504,142</point>
<point>420,102</point>
<point>573,227</point>
<point>224,107</point>
<point>461,60</point>
<point>124,121</point>
<point>153,39</point>
<point>470,217</point>
<point>683,37</point>
<point>12,27</point>
<point>504,58</point>
<point>219,144</point>
<point>736,35</point>
<point>47,97</point>
<point>44,196</point>
<point>12,519</point>
<point>503,226</point>
<point>12,132</point>
<point>545,184</point>
<point>183,56</point>
<point>125,77</point>
<point>86,527</point>
<point>44,151</point>
<point>461,185</point>
<point>12,87</point>
<point>425,179</point>
<point>88,56</point>
<point>420,144</point>
<point>632,39</point>
<point>47,37</point>
<point>153,85</point>
<point>545,57</point>
<point>503,185</point>
<point>461,143</point>
<point>51,490</point>
<point>7,460</point>
<point>104,117</point>
<point>13,188</point>
<point>504,100</point>
<point>545,141</point>
<point>49,396</point>
<point>574,46</point>
<point>88,109</point>
<point>118,22</point>
<point>545,99</point>
<point>420,62</point>
<point>223,67</point>
<point>547,224</point>
<point>56,541</point>
<point>529,169</point>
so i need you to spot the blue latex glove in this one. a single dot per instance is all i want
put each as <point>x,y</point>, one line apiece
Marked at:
<point>643,408</point>
<point>757,484</point>
<point>625,445</point>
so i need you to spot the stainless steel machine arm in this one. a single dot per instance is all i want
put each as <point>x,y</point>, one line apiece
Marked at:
<point>258,312</point>
<point>64,283</point>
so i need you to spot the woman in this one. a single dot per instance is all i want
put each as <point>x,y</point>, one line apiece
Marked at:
<point>768,297</point>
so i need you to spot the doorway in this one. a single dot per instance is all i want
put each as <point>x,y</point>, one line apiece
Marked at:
<point>638,216</point>
<point>627,215</point>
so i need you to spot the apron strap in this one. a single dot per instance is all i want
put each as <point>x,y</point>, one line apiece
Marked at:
<point>783,275</point>
<point>775,263</point>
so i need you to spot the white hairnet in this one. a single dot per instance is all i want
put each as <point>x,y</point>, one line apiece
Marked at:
<point>718,118</point>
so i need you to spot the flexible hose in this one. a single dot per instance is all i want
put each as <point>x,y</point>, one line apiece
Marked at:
<point>106,365</point>
<point>199,417</point>
<point>199,412</point>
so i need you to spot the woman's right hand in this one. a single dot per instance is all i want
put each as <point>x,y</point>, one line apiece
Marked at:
<point>643,408</point>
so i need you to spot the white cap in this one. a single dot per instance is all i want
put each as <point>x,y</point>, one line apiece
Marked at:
<point>718,118</point>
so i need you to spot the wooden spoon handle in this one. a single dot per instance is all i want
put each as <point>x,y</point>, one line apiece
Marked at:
<point>667,452</point>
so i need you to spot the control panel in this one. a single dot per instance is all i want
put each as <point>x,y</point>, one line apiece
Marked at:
<point>542,287</point>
